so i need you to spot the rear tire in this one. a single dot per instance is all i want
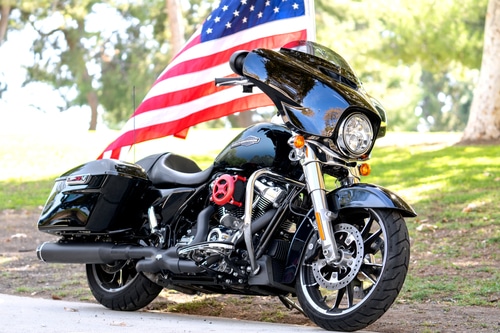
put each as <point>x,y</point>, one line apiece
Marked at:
<point>120,287</point>
<point>354,294</point>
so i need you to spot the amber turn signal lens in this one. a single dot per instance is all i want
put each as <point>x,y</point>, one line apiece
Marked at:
<point>299,141</point>
<point>364,169</point>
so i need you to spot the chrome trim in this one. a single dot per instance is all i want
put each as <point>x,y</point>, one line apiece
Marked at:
<point>317,192</point>
<point>247,218</point>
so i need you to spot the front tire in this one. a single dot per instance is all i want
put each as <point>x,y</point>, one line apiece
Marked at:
<point>119,286</point>
<point>375,251</point>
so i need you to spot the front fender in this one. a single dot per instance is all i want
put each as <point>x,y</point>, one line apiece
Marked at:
<point>367,196</point>
<point>355,196</point>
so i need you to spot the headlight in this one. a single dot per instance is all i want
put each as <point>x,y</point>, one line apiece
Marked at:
<point>355,135</point>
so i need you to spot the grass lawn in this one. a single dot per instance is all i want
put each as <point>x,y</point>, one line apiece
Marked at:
<point>454,189</point>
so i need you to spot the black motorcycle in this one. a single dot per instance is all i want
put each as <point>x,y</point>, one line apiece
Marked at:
<point>259,221</point>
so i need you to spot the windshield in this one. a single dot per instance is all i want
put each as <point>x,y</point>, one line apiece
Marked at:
<point>339,66</point>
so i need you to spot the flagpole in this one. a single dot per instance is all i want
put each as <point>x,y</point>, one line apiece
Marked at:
<point>311,12</point>
<point>133,110</point>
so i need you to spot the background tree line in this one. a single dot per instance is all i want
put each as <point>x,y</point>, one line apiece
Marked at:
<point>421,59</point>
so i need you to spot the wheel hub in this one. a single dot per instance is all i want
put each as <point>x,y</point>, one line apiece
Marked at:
<point>351,249</point>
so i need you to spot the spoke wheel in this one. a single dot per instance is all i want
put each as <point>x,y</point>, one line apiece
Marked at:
<point>119,286</point>
<point>349,295</point>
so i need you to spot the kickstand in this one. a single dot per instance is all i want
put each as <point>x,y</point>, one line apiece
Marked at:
<point>291,304</point>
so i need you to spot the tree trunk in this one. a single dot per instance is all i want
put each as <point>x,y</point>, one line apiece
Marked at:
<point>93,101</point>
<point>484,118</point>
<point>4,21</point>
<point>175,25</point>
<point>242,120</point>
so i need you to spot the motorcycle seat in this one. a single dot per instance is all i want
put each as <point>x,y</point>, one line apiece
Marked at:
<point>169,170</point>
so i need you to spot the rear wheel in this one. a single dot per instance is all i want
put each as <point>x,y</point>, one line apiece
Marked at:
<point>119,286</point>
<point>353,293</point>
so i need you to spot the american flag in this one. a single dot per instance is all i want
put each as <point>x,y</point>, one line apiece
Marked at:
<point>185,95</point>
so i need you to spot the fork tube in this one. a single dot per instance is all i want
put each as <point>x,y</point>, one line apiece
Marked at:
<point>317,192</point>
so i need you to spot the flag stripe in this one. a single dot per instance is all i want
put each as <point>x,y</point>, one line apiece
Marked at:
<point>211,49</point>
<point>183,111</point>
<point>166,91</point>
<point>184,94</point>
<point>199,65</point>
<point>155,130</point>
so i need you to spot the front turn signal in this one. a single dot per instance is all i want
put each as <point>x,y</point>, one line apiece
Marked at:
<point>365,169</point>
<point>299,141</point>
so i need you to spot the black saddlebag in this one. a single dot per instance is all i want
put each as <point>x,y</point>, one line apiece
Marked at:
<point>97,197</point>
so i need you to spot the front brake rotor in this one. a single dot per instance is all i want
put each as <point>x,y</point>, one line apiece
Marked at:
<point>351,249</point>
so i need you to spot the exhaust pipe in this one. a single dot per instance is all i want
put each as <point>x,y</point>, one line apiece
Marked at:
<point>150,259</point>
<point>153,259</point>
<point>90,253</point>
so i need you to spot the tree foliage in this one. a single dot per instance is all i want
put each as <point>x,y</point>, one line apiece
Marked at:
<point>420,59</point>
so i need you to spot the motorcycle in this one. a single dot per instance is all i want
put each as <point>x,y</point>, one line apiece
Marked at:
<point>260,220</point>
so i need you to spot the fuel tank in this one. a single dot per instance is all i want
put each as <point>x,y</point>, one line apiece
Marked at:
<point>259,146</point>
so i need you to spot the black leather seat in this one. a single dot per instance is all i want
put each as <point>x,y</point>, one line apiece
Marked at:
<point>170,170</point>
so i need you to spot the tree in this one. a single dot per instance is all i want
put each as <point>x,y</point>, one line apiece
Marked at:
<point>176,25</point>
<point>484,118</point>
<point>5,9</point>
<point>419,58</point>
<point>96,65</point>
<point>62,52</point>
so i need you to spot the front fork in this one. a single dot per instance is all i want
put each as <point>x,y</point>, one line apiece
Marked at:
<point>317,192</point>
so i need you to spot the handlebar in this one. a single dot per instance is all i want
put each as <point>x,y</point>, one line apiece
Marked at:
<point>230,81</point>
<point>235,81</point>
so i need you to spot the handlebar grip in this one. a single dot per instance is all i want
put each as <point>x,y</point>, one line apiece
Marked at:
<point>236,61</point>
<point>222,80</point>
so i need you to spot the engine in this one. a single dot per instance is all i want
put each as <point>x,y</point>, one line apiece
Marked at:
<point>228,194</point>
<point>223,250</point>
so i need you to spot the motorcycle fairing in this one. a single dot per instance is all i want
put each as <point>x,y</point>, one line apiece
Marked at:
<point>309,97</point>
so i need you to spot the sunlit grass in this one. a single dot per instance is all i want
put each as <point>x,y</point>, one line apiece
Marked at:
<point>455,191</point>
<point>29,162</point>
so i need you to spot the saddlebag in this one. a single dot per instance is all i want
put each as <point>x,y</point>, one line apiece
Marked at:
<point>96,197</point>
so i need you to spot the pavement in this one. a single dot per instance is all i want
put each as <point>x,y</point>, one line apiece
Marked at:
<point>26,314</point>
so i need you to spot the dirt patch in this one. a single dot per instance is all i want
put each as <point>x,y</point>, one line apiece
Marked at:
<point>23,274</point>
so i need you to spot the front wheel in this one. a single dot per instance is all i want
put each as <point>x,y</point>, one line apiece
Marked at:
<point>349,295</point>
<point>119,286</point>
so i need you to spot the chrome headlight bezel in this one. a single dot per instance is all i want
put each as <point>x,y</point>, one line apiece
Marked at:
<point>356,135</point>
